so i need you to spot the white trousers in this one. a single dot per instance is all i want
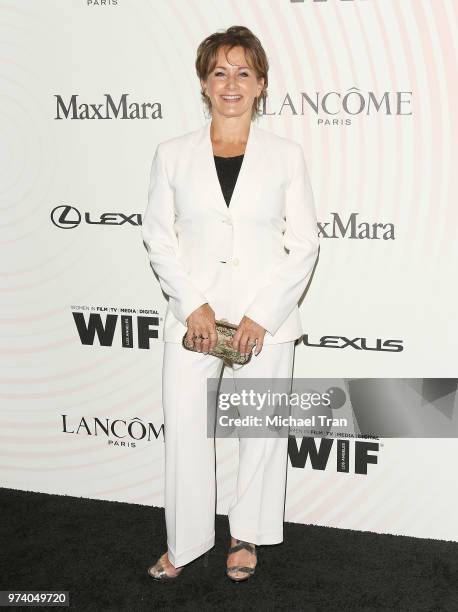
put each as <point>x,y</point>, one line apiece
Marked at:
<point>257,510</point>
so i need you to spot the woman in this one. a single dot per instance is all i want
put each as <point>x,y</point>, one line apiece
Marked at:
<point>224,202</point>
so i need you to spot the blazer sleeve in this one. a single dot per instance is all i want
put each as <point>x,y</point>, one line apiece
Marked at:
<point>159,236</point>
<point>276,300</point>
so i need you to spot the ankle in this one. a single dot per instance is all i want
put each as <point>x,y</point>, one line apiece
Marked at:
<point>169,564</point>
<point>235,541</point>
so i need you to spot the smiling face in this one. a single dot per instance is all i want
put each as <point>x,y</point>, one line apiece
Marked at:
<point>232,85</point>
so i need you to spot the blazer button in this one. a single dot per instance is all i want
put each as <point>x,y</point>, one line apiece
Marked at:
<point>235,262</point>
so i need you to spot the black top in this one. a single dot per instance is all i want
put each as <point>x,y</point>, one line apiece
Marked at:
<point>228,169</point>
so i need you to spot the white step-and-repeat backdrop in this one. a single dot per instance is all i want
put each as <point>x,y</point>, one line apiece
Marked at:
<point>88,89</point>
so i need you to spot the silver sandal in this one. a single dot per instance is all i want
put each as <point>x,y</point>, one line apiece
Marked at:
<point>249,571</point>
<point>158,571</point>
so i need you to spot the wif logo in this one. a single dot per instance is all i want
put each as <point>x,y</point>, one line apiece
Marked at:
<point>318,457</point>
<point>135,328</point>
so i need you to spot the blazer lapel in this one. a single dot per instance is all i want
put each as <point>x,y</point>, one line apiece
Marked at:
<point>247,176</point>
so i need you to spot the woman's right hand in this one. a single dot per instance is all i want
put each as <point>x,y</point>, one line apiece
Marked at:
<point>201,322</point>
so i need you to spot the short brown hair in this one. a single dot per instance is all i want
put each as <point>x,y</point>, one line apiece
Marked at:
<point>234,36</point>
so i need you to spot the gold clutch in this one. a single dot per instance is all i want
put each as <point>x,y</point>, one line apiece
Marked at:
<point>223,348</point>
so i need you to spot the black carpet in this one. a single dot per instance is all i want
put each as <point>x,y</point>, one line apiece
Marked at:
<point>99,551</point>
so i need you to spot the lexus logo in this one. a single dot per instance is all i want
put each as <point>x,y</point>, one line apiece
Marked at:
<point>68,217</point>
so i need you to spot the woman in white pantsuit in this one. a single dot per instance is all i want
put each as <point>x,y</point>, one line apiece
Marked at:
<point>256,511</point>
<point>248,263</point>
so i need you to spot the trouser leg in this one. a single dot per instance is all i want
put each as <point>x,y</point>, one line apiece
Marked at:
<point>256,512</point>
<point>190,486</point>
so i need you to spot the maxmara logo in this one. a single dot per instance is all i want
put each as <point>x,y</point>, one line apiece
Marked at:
<point>352,228</point>
<point>110,109</point>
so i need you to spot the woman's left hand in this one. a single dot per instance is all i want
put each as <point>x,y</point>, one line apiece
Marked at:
<point>248,332</point>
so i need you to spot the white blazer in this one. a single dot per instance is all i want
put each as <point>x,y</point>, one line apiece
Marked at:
<point>232,257</point>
